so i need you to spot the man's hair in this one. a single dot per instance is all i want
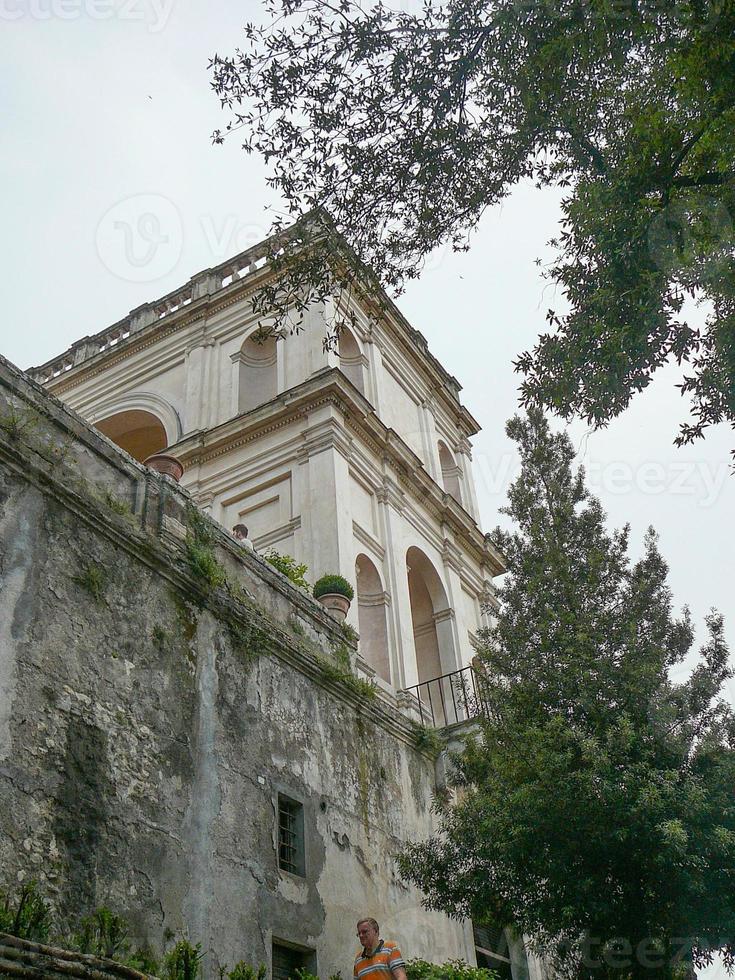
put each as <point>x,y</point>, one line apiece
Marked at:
<point>373,923</point>
<point>241,528</point>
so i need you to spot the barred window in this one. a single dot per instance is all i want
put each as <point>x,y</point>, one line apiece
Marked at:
<point>291,836</point>
<point>288,960</point>
<point>491,949</point>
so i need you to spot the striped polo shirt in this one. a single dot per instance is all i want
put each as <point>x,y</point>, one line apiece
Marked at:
<point>386,958</point>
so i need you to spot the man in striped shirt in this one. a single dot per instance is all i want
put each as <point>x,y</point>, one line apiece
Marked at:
<point>378,959</point>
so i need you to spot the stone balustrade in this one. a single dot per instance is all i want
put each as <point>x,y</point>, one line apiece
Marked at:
<point>201,285</point>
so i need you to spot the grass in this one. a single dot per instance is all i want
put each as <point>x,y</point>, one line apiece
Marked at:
<point>116,505</point>
<point>338,672</point>
<point>93,578</point>
<point>427,739</point>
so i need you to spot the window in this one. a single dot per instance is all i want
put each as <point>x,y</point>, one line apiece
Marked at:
<point>291,836</point>
<point>287,960</point>
<point>491,949</point>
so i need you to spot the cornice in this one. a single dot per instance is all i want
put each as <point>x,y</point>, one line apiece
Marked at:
<point>331,387</point>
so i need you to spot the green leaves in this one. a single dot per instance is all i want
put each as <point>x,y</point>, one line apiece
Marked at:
<point>26,915</point>
<point>599,800</point>
<point>404,127</point>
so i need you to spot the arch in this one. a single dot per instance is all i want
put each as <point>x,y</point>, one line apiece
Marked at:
<point>143,401</point>
<point>450,472</point>
<point>351,358</point>
<point>258,377</point>
<point>431,617</point>
<point>139,433</point>
<point>371,615</point>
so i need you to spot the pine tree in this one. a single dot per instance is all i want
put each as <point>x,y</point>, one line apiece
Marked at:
<point>596,809</point>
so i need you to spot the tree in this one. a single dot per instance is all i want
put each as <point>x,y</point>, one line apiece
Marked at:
<point>596,809</point>
<point>405,127</point>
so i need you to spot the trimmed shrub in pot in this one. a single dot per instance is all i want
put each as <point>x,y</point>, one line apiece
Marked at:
<point>335,593</point>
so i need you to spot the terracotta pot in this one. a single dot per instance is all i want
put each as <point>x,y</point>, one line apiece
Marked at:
<point>163,463</point>
<point>336,604</point>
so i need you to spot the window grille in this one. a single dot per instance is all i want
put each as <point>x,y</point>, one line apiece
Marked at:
<point>291,836</point>
<point>491,950</point>
<point>288,960</point>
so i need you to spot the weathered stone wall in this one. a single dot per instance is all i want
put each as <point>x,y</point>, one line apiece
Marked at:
<point>148,721</point>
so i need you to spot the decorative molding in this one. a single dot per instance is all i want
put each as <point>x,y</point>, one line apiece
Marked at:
<point>381,599</point>
<point>452,556</point>
<point>277,534</point>
<point>144,401</point>
<point>367,539</point>
<point>391,494</point>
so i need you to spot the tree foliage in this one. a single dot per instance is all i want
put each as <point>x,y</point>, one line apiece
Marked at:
<point>405,125</point>
<point>597,808</point>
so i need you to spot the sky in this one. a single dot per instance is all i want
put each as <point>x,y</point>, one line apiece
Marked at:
<point>107,119</point>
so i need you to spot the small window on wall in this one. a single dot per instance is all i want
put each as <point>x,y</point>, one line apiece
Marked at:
<point>288,960</point>
<point>491,949</point>
<point>291,836</point>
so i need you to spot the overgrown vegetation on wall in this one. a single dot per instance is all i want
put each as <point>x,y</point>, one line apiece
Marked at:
<point>338,671</point>
<point>27,915</point>
<point>288,566</point>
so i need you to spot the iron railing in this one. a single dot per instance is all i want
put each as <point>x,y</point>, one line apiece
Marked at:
<point>450,699</point>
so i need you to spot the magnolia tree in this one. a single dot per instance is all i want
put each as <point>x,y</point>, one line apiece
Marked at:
<point>596,807</point>
<point>404,125</point>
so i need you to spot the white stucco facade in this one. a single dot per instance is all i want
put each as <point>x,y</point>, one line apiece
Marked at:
<point>355,461</point>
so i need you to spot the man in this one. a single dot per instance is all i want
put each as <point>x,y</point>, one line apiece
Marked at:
<point>241,533</point>
<point>378,959</point>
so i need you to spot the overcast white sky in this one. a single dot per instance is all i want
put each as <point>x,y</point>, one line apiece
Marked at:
<point>108,115</point>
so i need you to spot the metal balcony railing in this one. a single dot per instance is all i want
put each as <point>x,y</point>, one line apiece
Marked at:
<point>450,699</point>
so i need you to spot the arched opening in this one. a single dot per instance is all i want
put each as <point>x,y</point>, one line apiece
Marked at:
<point>351,361</point>
<point>137,432</point>
<point>433,636</point>
<point>258,381</point>
<point>371,614</point>
<point>450,473</point>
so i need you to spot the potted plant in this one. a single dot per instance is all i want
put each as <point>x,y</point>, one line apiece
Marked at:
<point>166,464</point>
<point>335,594</point>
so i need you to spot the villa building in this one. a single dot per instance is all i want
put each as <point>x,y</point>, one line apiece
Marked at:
<point>355,461</point>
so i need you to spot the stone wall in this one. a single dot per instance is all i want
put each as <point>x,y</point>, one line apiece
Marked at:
<point>149,718</point>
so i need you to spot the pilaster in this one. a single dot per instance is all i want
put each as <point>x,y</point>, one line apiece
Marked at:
<point>281,384</point>
<point>469,491</point>
<point>404,670</point>
<point>198,357</point>
<point>326,515</point>
<point>430,440</point>
<point>451,559</point>
<point>374,390</point>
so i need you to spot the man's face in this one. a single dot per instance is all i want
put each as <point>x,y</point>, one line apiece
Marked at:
<point>367,935</point>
